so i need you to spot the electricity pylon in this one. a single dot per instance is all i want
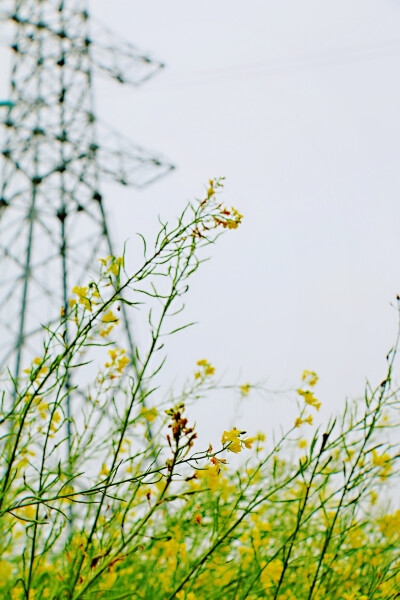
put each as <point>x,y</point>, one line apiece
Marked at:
<point>55,155</point>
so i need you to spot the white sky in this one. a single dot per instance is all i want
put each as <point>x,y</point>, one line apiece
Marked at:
<point>296,103</point>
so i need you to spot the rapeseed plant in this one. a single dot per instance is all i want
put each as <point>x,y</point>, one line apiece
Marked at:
<point>114,500</point>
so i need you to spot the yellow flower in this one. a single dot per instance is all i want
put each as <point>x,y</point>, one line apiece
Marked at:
<point>235,444</point>
<point>23,463</point>
<point>310,377</point>
<point>110,317</point>
<point>36,372</point>
<point>113,354</point>
<point>309,398</point>
<point>379,461</point>
<point>302,443</point>
<point>300,421</point>
<point>249,442</point>
<point>43,407</point>
<point>55,419</point>
<point>105,332</point>
<point>118,360</point>
<point>382,461</point>
<point>115,266</point>
<point>148,413</point>
<point>230,436</point>
<point>104,260</point>
<point>104,471</point>
<point>303,460</point>
<point>231,224</point>
<point>235,447</point>
<point>210,192</point>
<point>26,513</point>
<point>122,362</point>
<point>81,292</point>
<point>208,369</point>
<point>236,213</point>
<point>214,470</point>
<point>245,388</point>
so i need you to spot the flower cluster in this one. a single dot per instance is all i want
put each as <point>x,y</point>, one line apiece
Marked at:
<point>220,216</point>
<point>235,442</point>
<point>230,219</point>
<point>299,421</point>
<point>205,369</point>
<point>309,379</point>
<point>113,264</point>
<point>87,296</point>
<point>119,361</point>
<point>180,430</point>
<point>108,320</point>
<point>38,369</point>
<point>148,415</point>
<point>309,398</point>
<point>382,461</point>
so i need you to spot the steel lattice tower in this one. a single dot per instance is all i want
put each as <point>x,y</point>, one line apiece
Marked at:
<point>56,153</point>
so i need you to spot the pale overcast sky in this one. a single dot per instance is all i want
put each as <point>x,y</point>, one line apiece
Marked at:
<point>296,103</point>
